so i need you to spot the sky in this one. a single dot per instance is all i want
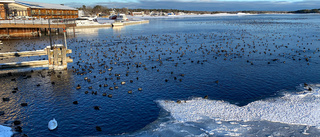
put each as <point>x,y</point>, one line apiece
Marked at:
<point>198,5</point>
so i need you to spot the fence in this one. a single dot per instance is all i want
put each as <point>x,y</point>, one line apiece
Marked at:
<point>38,21</point>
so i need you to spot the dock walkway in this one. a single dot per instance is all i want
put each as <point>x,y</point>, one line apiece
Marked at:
<point>39,23</point>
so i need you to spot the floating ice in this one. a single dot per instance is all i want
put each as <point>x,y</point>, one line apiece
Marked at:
<point>5,131</point>
<point>298,109</point>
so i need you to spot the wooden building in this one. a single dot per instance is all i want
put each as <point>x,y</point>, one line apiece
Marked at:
<point>2,12</point>
<point>21,9</point>
<point>3,4</point>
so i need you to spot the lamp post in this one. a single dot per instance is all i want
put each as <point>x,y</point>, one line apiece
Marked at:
<point>50,34</point>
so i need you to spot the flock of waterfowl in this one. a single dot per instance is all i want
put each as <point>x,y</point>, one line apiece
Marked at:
<point>97,60</point>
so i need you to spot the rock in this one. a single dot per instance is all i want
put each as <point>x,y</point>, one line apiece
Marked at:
<point>178,101</point>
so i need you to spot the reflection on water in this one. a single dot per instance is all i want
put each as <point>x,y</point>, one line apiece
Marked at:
<point>117,28</point>
<point>88,31</point>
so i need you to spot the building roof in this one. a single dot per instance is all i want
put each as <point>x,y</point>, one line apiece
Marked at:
<point>6,1</point>
<point>44,5</point>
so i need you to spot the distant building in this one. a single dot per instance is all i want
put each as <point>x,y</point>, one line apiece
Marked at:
<point>21,9</point>
<point>112,12</point>
<point>180,13</point>
<point>81,13</point>
<point>137,13</point>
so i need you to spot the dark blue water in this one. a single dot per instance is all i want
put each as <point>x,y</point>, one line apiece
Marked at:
<point>238,59</point>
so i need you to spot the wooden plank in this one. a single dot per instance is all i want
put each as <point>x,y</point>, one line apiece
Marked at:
<point>28,53</point>
<point>23,54</point>
<point>56,56</point>
<point>63,56</point>
<point>40,63</point>
<point>50,55</point>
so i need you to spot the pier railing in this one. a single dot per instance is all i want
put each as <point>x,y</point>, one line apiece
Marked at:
<point>57,58</point>
<point>37,23</point>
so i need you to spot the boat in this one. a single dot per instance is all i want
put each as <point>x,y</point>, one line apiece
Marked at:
<point>122,17</point>
<point>53,124</point>
<point>87,18</point>
<point>119,17</point>
<point>113,17</point>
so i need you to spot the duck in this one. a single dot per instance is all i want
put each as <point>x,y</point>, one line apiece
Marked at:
<point>53,124</point>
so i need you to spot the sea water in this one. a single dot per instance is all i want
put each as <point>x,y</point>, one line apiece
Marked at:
<point>251,69</point>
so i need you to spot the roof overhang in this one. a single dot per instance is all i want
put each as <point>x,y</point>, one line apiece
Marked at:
<point>7,1</point>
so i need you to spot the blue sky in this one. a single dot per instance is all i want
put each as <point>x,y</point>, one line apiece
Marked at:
<point>207,5</point>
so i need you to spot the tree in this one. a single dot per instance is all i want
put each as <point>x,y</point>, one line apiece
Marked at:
<point>97,9</point>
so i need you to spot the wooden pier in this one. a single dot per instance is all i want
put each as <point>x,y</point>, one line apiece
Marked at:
<point>57,58</point>
<point>20,28</point>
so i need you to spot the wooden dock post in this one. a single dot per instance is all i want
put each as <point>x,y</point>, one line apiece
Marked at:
<point>57,57</point>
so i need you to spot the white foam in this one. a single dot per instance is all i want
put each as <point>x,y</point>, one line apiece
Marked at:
<point>298,109</point>
<point>5,131</point>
